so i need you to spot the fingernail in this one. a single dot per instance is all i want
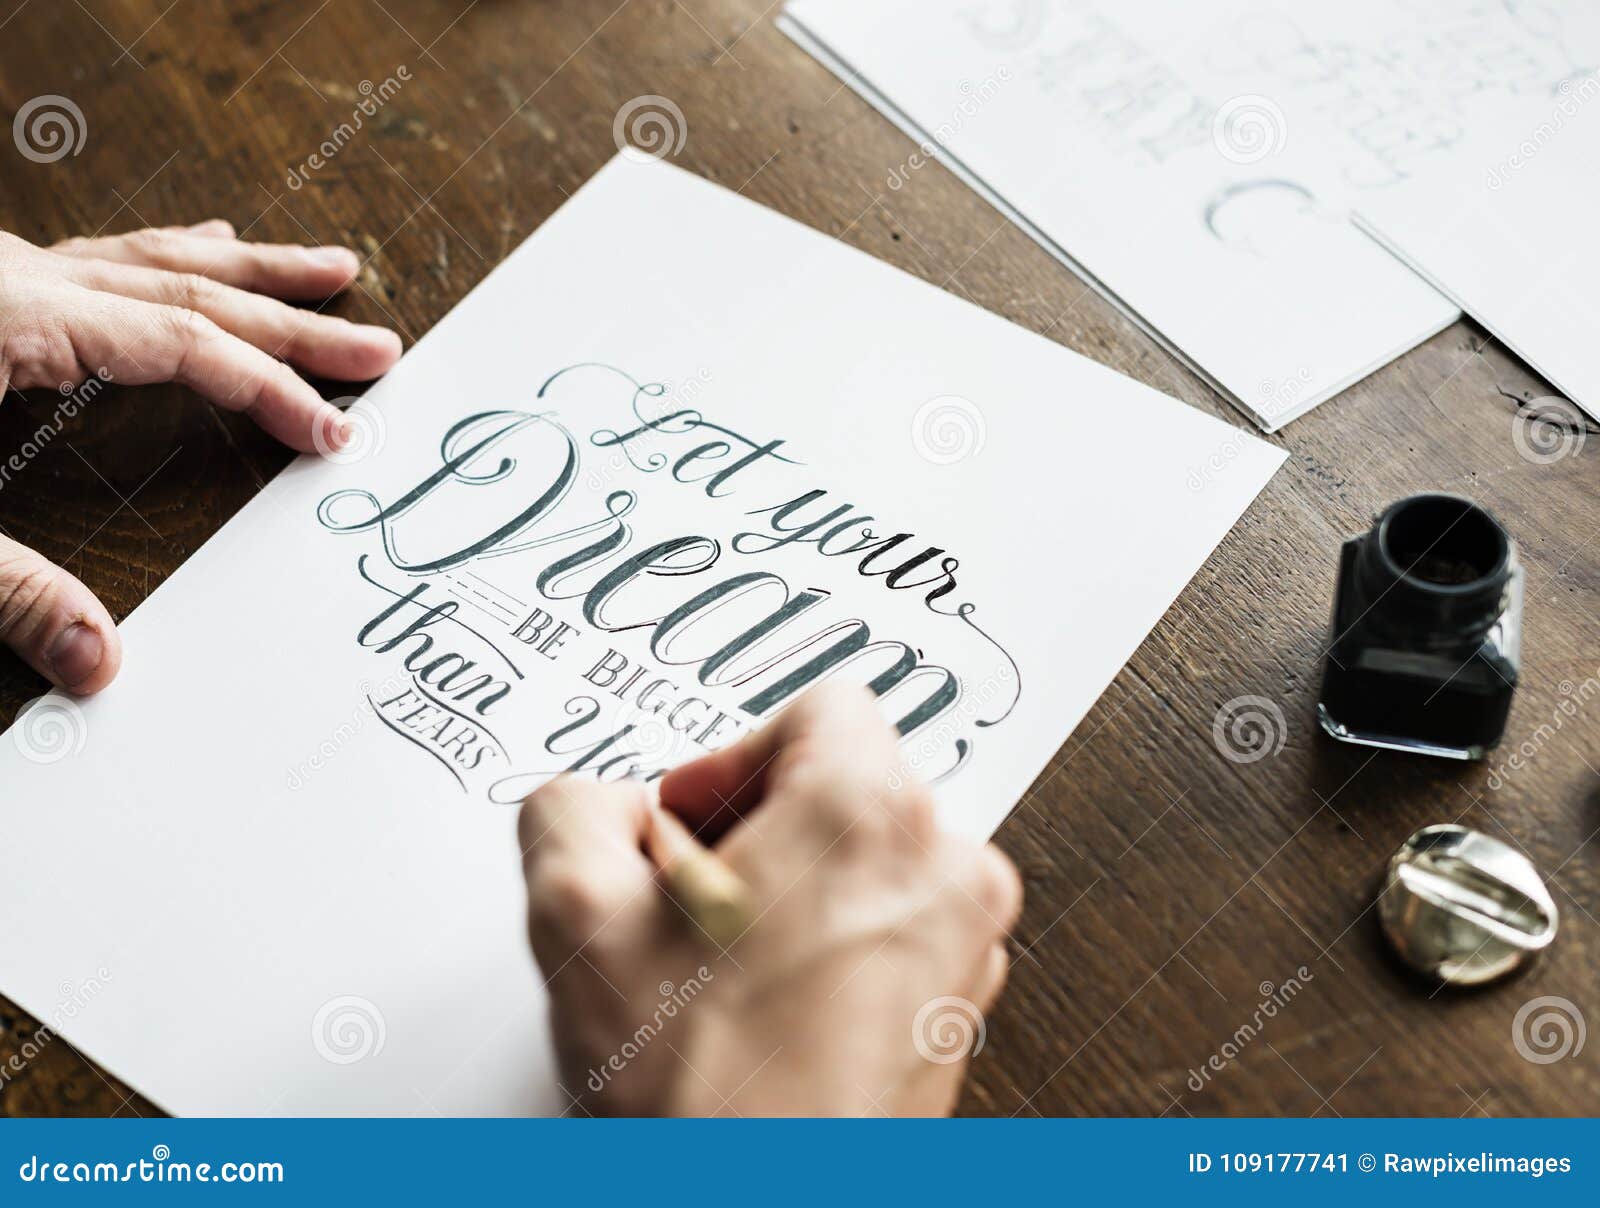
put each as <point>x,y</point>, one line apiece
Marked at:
<point>343,433</point>
<point>333,257</point>
<point>76,654</point>
<point>390,340</point>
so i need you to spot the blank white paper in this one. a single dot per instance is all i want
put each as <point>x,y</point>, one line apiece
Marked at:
<point>1506,228</point>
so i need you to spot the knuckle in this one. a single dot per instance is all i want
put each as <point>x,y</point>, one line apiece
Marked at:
<point>914,806</point>
<point>827,700</point>
<point>189,291</point>
<point>38,352</point>
<point>190,326</point>
<point>25,586</point>
<point>563,904</point>
<point>150,242</point>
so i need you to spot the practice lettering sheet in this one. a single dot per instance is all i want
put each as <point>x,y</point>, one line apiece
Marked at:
<point>1198,163</point>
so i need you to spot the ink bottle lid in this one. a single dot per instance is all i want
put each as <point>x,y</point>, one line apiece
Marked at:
<point>1463,907</point>
<point>1425,650</point>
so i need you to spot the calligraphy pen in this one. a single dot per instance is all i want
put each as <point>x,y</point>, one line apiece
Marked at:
<point>715,898</point>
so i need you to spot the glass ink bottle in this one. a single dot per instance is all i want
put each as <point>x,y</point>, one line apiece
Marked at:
<point>1427,631</point>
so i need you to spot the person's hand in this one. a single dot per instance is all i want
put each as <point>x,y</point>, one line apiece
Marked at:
<point>877,939</point>
<point>183,304</point>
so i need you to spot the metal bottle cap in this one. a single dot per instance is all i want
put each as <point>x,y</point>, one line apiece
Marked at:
<point>1462,907</point>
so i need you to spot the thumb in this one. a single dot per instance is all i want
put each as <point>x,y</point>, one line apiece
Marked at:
<point>54,623</point>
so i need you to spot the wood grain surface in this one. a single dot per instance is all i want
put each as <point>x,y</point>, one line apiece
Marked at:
<point>1170,889</point>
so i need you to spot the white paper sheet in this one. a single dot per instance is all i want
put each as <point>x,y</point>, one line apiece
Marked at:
<point>1197,162</point>
<point>293,897</point>
<point>1506,228</point>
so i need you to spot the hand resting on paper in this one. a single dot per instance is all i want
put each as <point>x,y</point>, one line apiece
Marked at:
<point>194,305</point>
<point>877,939</point>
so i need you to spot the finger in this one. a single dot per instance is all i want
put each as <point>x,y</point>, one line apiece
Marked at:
<point>582,855</point>
<point>837,724</point>
<point>282,270</point>
<point>54,623</point>
<point>997,888</point>
<point>320,344</point>
<point>991,979</point>
<point>213,228</point>
<point>139,342</point>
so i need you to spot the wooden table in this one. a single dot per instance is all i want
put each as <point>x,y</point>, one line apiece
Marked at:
<point>1171,891</point>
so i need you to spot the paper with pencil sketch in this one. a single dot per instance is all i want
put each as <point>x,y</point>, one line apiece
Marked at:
<point>673,461</point>
<point>1505,229</point>
<point>1198,162</point>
